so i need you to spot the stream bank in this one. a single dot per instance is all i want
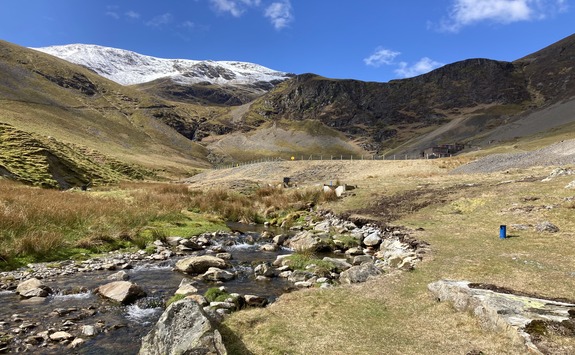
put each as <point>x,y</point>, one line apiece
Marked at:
<point>72,318</point>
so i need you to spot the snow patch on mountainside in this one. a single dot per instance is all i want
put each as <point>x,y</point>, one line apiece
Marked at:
<point>129,68</point>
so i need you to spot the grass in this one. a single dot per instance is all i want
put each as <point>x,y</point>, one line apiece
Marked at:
<point>45,225</point>
<point>395,313</point>
<point>304,260</point>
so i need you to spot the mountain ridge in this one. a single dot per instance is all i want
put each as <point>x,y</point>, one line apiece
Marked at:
<point>130,68</point>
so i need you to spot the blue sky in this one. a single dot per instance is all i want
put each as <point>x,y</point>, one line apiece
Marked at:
<point>372,40</point>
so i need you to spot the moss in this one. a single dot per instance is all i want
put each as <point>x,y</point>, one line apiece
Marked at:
<point>175,298</point>
<point>214,294</point>
<point>536,327</point>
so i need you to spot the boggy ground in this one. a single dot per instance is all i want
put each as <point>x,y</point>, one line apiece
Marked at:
<point>459,216</point>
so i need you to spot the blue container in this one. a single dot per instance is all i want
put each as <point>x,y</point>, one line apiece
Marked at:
<point>502,231</point>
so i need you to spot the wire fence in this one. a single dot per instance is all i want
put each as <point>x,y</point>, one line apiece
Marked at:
<point>347,157</point>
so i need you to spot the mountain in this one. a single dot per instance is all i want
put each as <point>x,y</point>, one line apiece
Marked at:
<point>62,125</point>
<point>459,102</point>
<point>213,82</point>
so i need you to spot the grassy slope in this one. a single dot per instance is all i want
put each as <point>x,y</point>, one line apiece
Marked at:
<point>395,314</point>
<point>114,121</point>
<point>285,139</point>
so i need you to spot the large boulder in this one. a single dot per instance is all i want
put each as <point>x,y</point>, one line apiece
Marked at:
<point>359,273</point>
<point>199,264</point>
<point>183,328</point>
<point>33,288</point>
<point>121,291</point>
<point>307,240</point>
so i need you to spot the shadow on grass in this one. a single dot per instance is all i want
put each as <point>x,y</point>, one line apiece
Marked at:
<point>233,343</point>
<point>509,236</point>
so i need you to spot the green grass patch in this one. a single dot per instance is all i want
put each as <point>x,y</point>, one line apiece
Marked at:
<point>214,294</point>
<point>175,298</point>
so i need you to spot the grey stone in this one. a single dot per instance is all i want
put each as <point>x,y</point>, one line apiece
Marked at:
<point>61,336</point>
<point>186,288</point>
<point>89,330</point>
<point>546,227</point>
<point>199,264</point>
<point>264,270</point>
<point>340,264</point>
<point>255,301</point>
<point>372,239</point>
<point>501,312</point>
<point>121,291</point>
<point>217,274</point>
<point>280,239</point>
<point>183,328</point>
<point>33,288</point>
<point>119,276</point>
<point>269,247</point>
<point>359,273</point>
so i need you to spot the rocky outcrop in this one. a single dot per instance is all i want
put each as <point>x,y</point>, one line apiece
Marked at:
<point>121,291</point>
<point>183,328</point>
<point>501,310</point>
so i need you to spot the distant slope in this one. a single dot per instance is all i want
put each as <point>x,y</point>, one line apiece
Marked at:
<point>460,102</point>
<point>82,127</point>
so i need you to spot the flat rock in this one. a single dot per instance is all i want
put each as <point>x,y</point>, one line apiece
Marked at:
<point>121,291</point>
<point>33,288</point>
<point>359,273</point>
<point>501,311</point>
<point>199,264</point>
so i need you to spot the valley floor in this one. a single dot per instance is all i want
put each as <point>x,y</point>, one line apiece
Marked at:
<point>459,216</point>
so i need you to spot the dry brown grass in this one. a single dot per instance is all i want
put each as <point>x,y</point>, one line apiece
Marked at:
<point>39,224</point>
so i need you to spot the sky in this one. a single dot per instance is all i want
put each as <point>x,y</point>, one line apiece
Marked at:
<point>370,40</point>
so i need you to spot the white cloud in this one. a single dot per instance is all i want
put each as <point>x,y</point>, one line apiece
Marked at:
<point>468,12</point>
<point>380,57</point>
<point>424,65</point>
<point>133,14</point>
<point>188,24</point>
<point>160,20</point>
<point>235,7</point>
<point>113,14</point>
<point>280,14</point>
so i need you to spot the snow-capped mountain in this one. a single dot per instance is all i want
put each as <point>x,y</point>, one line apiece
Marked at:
<point>128,68</point>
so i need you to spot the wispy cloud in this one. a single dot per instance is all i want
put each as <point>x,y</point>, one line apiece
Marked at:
<point>161,20</point>
<point>280,14</point>
<point>112,11</point>
<point>424,65</point>
<point>132,14</point>
<point>235,7</point>
<point>468,12</point>
<point>383,56</point>
<point>188,25</point>
<point>380,57</point>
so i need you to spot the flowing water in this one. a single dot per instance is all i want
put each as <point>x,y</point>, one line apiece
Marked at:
<point>120,328</point>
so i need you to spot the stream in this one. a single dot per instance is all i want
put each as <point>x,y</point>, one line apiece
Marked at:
<point>120,328</point>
